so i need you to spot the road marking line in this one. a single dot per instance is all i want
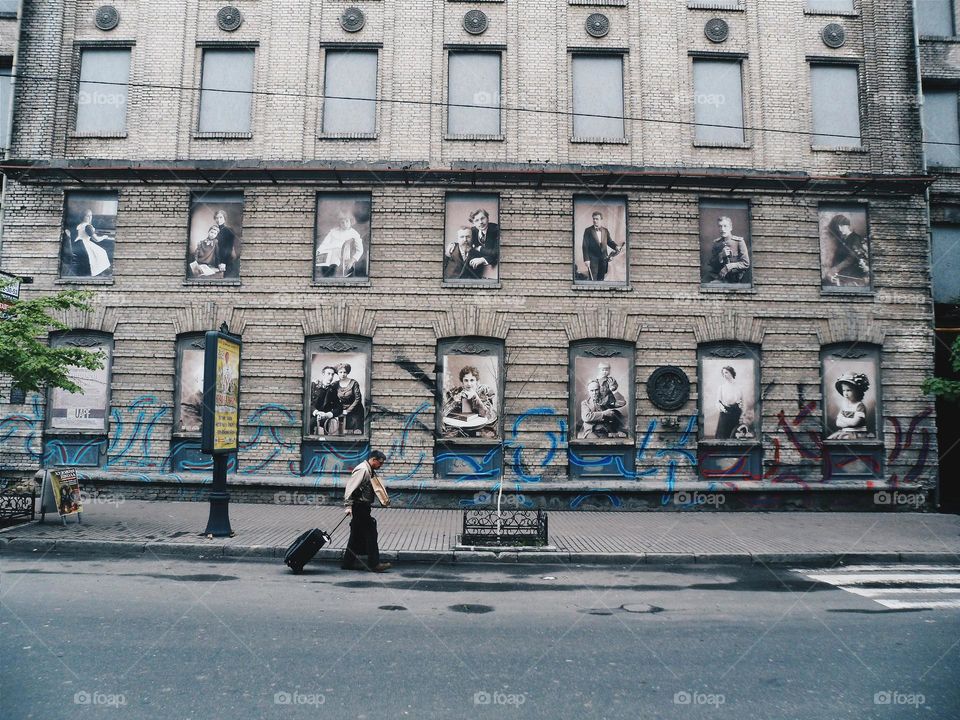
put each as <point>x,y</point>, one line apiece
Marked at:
<point>880,592</point>
<point>850,579</point>
<point>918,605</point>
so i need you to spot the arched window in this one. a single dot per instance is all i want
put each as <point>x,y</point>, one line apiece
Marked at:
<point>77,423</point>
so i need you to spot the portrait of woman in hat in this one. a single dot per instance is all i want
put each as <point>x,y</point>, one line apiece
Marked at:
<point>851,420</point>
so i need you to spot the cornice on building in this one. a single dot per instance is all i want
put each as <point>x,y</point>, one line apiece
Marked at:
<point>603,177</point>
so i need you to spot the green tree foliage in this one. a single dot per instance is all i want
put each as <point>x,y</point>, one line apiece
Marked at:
<point>942,387</point>
<point>24,353</point>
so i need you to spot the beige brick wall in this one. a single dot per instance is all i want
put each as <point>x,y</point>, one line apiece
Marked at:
<point>405,300</point>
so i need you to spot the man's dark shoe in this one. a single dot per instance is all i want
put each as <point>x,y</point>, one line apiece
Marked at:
<point>382,567</point>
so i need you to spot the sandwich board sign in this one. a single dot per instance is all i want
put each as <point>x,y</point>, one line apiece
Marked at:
<point>61,494</point>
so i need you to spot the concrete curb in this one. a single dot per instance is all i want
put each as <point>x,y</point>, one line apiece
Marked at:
<point>265,553</point>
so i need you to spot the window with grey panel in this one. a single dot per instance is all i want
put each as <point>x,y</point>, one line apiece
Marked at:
<point>9,7</point>
<point>718,101</point>
<point>830,6</point>
<point>941,127</point>
<point>598,96</point>
<point>935,17</point>
<point>226,91</point>
<point>6,100</point>
<point>473,93</point>
<point>102,94</point>
<point>350,92</point>
<point>945,263</point>
<point>835,100</point>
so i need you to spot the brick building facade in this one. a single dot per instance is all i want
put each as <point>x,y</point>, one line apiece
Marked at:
<point>656,115</point>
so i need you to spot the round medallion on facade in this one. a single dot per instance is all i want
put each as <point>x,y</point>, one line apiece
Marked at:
<point>475,22</point>
<point>597,24</point>
<point>716,30</point>
<point>352,19</point>
<point>107,17</point>
<point>229,18</point>
<point>833,35</point>
<point>668,388</point>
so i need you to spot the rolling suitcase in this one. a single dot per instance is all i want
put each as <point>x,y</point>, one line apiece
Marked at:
<point>306,546</point>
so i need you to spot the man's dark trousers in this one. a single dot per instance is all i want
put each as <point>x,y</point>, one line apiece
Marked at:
<point>363,538</point>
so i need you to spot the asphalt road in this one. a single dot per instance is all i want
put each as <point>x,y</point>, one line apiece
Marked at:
<point>185,640</point>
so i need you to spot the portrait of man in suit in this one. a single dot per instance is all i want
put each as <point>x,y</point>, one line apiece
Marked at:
<point>600,241</point>
<point>477,213</point>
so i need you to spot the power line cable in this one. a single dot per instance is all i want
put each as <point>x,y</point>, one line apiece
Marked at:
<point>434,103</point>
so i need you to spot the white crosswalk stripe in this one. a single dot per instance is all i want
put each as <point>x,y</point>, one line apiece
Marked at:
<point>898,587</point>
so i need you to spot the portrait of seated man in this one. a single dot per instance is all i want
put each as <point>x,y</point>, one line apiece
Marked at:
<point>601,415</point>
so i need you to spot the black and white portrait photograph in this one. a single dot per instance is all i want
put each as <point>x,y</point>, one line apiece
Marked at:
<point>729,398</point>
<point>338,393</point>
<point>215,242</point>
<point>190,390</point>
<point>88,235</point>
<point>600,240</point>
<point>850,397</point>
<point>471,402</point>
<point>471,249</point>
<point>342,236</point>
<point>601,398</point>
<point>844,248</point>
<point>725,246</point>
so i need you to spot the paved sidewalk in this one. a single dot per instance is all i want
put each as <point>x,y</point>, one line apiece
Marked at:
<point>412,535</point>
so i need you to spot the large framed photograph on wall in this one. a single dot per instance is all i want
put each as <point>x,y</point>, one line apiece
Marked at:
<point>471,244</point>
<point>470,390</point>
<point>88,410</point>
<point>342,237</point>
<point>729,392</point>
<point>845,260</point>
<point>88,235</point>
<point>215,241</point>
<point>601,391</point>
<point>338,371</point>
<point>188,400</point>
<point>851,392</point>
<point>725,244</point>
<point>600,241</point>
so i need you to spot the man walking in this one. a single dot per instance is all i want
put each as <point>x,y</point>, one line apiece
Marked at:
<point>358,497</point>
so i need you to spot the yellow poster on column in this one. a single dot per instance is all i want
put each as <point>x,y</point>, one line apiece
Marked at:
<point>227,402</point>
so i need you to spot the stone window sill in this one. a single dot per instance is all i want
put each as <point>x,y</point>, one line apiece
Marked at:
<point>99,135</point>
<point>83,281</point>
<point>602,287</point>
<point>485,138</point>
<point>228,282</point>
<point>724,145</point>
<point>346,136</point>
<point>708,5</point>
<point>600,141</point>
<point>341,282</point>
<point>474,284</point>
<point>840,148</point>
<point>223,136</point>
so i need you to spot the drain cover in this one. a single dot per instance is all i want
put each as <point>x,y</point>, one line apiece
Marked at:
<point>641,608</point>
